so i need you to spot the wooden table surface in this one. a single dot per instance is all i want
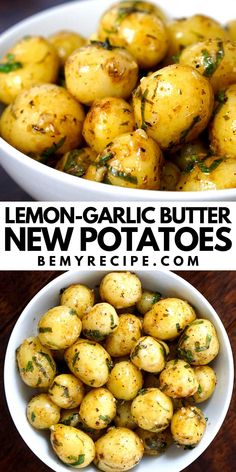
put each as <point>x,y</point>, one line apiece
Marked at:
<point>17,288</point>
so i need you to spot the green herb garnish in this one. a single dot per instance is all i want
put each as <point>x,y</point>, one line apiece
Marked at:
<point>122,175</point>
<point>76,460</point>
<point>199,348</point>
<point>109,364</point>
<point>186,354</point>
<point>94,334</point>
<point>199,390</point>
<point>144,125</point>
<point>179,329</point>
<point>52,150</point>
<point>142,391</point>
<point>11,65</point>
<point>45,330</point>
<point>113,325</point>
<point>136,350</point>
<point>104,44</point>
<point>106,157</point>
<point>29,367</point>
<point>33,416</point>
<point>49,359</point>
<point>156,297</point>
<point>213,166</point>
<point>75,358</point>
<point>211,64</point>
<point>105,418</point>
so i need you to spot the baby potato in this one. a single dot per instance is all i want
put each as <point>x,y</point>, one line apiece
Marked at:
<point>72,446</point>
<point>214,59</point>
<point>123,416</point>
<point>175,89</point>
<point>98,408</point>
<point>79,297</point>
<point>125,380</point>
<point>66,391</point>
<point>42,121</point>
<point>116,72</point>
<point>154,443</point>
<point>89,361</point>
<point>188,426</point>
<point>143,34</point>
<point>107,118</point>
<point>222,129</point>
<point>132,160</point>
<point>152,410</point>
<point>41,412</point>
<point>189,154</point>
<point>59,327</point>
<point>185,31</point>
<point>31,61</point>
<point>119,449</point>
<point>148,354</point>
<point>76,162</point>
<point>147,300</point>
<point>168,318</point>
<point>70,417</point>
<point>214,173</point>
<point>121,341</point>
<point>199,343</point>
<point>206,379</point>
<point>112,17</point>
<point>121,289</point>
<point>35,363</point>
<point>178,379</point>
<point>101,321</point>
<point>231,29</point>
<point>65,42</point>
<point>170,176</point>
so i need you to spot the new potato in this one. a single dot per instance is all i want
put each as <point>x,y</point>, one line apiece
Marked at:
<point>42,413</point>
<point>66,391</point>
<point>121,289</point>
<point>98,408</point>
<point>100,321</point>
<point>59,327</point>
<point>206,379</point>
<point>123,416</point>
<point>199,343</point>
<point>72,446</point>
<point>65,42</point>
<point>223,128</point>
<point>188,426</point>
<point>152,410</point>
<point>214,173</point>
<point>121,341</point>
<point>79,297</point>
<point>178,379</point>
<point>125,380</point>
<point>148,355</point>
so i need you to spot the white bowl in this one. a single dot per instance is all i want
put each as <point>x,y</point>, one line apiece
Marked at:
<point>44,183</point>
<point>169,284</point>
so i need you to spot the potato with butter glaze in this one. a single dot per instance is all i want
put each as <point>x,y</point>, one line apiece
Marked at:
<point>199,343</point>
<point>152,410</point>
<point>42,412</point>
<point>59,327</point>
<point>98,408</point>
<point>65,42</point>
<point>188,426</point>
<point>122,340</point>
<point>125,380</point>
<point>79,297</point>
<point>121,289</point>
<point>178,379</point>
<point>72,446</point>
<point>66,391</point>
<point>222,127</point>
<point>100,321</point>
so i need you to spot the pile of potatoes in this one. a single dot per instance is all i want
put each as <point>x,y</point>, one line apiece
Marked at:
<point>119,373</point>
<point>144,103</point>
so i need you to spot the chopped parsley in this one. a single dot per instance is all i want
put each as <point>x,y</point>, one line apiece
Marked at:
<point>29,367</point>
<point>104,44</point>
<point>47,329</point>
<point>105,418</point>
<point>137,349</point>
<point>75,359</point>
<point>186,354</point>
<point>122,175</point>
<point>142,391</point>
<point>210,63</point>
<point>94,334</point>
<point>199,348</point>
<point>11,65</point>
<point>179,329</point>
<point>33,416</point>
<point>48,152</point>
<point>213,166</point>
<point>76,460</point>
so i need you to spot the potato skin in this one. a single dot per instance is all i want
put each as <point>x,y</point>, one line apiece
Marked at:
<point>206,379</point>
<point>43,118</point>
<point>155,443</point>
<point>152,410</point>
<point>66,391</point>
<point>231,29</point>
<point>65,42</point>
<point>115,70</point>
<point>76,162</point>
<point>119,449</point>
<point>107,119</point>
<point>42,413</point>
<point>98,408</point>
<point>72,446</point>
<point>101,321</point>
<point>148,299</point>
<point>89,361</point>
<point>35,363</point>
<point>199,343</point>
<point>173,89</point>
<point>132,160</point>
<point>188,426</point>
<point>79,297</point>
<point>222,175</point>
<point>214,59</point>
<point>167,318</point>
<point>178,379</point>
<point>148,355</point>
<point>123,417</point>
<point>125,380</point>
<point>170,176</point>
<point>122,340</point>
<point>38,62</point>
<point>59,327</point>
<point>222,129</point>
<point>70,417</point>
<point>121,289</point>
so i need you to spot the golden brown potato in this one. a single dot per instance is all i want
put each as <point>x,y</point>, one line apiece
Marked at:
<point>199,343</point>
<point>132,160</point>
<point>174,91</point>
<point>189,154</point>
<point>231,29</point>
<point>59,327</point>
<point>222,129</point>
<point>89,361</point>
<point>42,121</point>
<point>121,342</point>
<point>206,379</point>
<point>148,299</point>
<point>98,408</point>
<point>168,318</point>
<point>188,426</point>
<point>119,449</point>
<point>66,391</point>
<point>178,379</point>
<point>148,355</point>
<point>78,297</point>
<point>155,443</point>
<point>41,412</point>
<point>72,446</point>
<point>213,173</point>
<point>107,119</point>
<point>70,417</point>
<point>123,416</point>
<point>65,42</point>
<point>120,289</point>
<point>115,70</point>
<point>32,61</point>
<point>214,59</point>
<point>152,410</point>
<point>76,162</point>
<point>125,380</point>
<point>35,363</point>
<point>101,321</point>
<point>170,176</point>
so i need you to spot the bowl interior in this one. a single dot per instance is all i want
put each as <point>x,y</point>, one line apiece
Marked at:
<point>168,284</point>
<point>44,183</point>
